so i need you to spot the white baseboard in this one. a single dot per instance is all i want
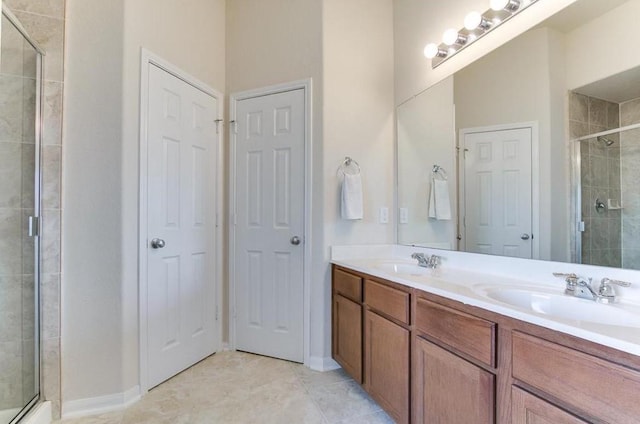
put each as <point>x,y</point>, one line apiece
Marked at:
<point>319,363</point>
<point>41,414</point>
<point>100,404</point>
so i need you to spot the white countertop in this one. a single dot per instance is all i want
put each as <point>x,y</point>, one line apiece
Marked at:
<point>466,277</point>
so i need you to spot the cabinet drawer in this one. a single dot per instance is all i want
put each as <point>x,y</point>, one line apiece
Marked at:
<point>348,285</point>
<point>387,300</point>
<point>599,388</point>
<point>468,334</point>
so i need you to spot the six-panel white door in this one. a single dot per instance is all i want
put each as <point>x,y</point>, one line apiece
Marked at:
<point>269,223</point>
<point>498,193</point>
<point>181,181</point>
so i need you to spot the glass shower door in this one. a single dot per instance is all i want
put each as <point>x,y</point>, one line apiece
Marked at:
<point>20,72</point>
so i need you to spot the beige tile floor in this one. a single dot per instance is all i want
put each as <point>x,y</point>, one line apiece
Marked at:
<point>236,387</point>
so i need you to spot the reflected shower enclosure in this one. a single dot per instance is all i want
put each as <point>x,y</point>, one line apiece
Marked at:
<point>607,182</point>
<point>20,97</point>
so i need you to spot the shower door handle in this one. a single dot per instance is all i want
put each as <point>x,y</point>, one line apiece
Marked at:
<point>34,226</point>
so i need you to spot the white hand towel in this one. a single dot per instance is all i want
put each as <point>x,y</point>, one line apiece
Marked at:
<point>352,196</point>
<point>439,203</point>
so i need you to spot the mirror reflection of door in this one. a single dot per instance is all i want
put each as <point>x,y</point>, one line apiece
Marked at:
<point>496,198</point>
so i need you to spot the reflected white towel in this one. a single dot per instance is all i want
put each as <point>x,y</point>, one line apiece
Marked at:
<point>352,196</point>
<point>439,203</point>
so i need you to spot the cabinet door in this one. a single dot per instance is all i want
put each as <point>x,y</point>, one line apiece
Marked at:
<point>529,409</point>
<point>386,357</point>
<point>347,336</point>
<point>448,389</point>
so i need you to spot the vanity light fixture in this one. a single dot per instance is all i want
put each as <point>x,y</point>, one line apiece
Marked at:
<point>476,25</point>
<point>475,20</point>
<point>510,5</point>
<point>451,37</point>
<point>432,50</point>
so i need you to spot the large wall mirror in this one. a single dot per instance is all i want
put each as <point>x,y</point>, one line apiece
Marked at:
<point>533,150</point>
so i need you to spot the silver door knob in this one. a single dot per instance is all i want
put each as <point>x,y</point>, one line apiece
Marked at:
<point>157,243</point>
<point>525,237</point>
<point>295,240</point>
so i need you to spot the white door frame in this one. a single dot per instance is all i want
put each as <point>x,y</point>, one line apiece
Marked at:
<point>305,85</point>
<point>148,59</point>
<point>535,177</point>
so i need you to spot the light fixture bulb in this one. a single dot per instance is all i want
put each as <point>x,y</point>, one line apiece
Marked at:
<point>498,4</point>
<point>431,50</point>
<point>510,5</point>
<point>472,20</point>
<point>450,37</point>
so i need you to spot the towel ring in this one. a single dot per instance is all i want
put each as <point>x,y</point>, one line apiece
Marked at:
<point>346,163</point>
<point>438,170</point>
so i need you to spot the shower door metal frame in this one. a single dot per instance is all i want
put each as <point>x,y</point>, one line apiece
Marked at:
<point>34,231</point>
<point>576,183</point>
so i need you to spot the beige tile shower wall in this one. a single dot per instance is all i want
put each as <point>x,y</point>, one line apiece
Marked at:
<point>630,175</point>
<point>600,178</point>
<point>44,21</point>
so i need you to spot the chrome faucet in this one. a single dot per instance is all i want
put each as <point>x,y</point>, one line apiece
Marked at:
<point>426,261</point>
<point>582,288</point>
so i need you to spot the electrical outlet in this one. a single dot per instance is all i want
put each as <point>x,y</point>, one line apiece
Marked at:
<point>404,215</point>
<point>384,215</point>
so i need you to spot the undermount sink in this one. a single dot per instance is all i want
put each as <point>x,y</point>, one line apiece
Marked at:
<point>566,307</point>
<point>402,268</point>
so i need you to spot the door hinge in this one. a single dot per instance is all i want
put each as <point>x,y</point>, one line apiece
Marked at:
<point>34,226</point>
<point>218,122</point>
<point>217,313</point>
<point>234,124</point>
<point>581,226</point>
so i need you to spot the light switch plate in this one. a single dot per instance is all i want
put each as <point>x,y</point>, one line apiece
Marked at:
<point>384,215</point>
<point>404,215</point>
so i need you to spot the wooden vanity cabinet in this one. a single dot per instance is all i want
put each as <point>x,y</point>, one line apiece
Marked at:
<point>592,387</point>
<point>529,409</point>
<point>428,359</point>
<point>453,366</point>
<point>346,317</point>
<point>387,340</point>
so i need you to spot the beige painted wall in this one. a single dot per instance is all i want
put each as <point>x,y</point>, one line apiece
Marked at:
<point>92,238</point>
<point>598,49</point>
<point>358,122</point>
<point>100,306</point>
<point>425,128</point>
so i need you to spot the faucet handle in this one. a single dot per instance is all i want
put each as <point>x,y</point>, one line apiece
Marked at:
<point>606,281</point>
<point>569,278</point>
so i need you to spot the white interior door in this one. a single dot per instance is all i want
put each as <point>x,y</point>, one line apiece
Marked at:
<point>269,224</point>
<point>498,192</point>
<point>181,181</point>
